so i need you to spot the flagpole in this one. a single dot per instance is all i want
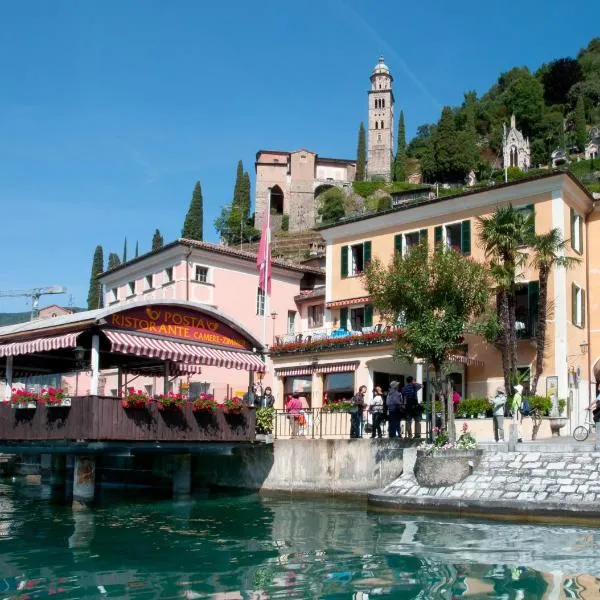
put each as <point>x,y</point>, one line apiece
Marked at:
<point>267,274</point>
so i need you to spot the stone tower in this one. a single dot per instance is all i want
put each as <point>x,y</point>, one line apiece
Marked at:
<point>381,123</point>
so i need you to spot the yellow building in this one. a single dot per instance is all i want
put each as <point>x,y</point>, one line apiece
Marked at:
<point>349,347</point>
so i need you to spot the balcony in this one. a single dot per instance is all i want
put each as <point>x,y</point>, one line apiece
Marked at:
<point>334,339</point>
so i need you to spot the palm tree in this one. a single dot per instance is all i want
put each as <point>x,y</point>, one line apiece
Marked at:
<point>504,236</point>
<point>549,251</point>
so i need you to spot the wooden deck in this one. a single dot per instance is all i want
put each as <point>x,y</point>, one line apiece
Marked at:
<point>97,418</point>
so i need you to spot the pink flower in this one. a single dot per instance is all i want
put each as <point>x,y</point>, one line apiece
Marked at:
<point>465,428</point>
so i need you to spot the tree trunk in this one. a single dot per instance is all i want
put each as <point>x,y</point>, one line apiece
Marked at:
<point>450,426</point>
<point>540,334</point>
<point>503,342</point>
<point>512,338</point>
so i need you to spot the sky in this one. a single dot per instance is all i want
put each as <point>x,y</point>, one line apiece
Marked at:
<point>111,110</point>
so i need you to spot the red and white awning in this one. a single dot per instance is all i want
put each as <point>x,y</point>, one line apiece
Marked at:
<point>348,302</point>
<point>344,367</point>
<point>292,371</point>
<point>189,354</point>
<point>465,360</point>
<point>45,344</point>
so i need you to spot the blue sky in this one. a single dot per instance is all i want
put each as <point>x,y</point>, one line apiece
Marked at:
<point>110,111</point>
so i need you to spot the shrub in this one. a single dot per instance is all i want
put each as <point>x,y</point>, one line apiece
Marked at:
<point>541,403</point>
<point>473,406</point>
<point>285,223</point>
<point>264,420</point>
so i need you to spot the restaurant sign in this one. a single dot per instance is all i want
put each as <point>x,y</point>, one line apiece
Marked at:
<point>180,323</point>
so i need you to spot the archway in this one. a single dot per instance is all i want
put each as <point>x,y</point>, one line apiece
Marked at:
<point>276,201</point>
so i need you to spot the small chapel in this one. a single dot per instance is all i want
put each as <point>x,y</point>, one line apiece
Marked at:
<point>515,147</point>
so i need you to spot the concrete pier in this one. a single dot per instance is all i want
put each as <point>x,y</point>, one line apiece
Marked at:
<point>84,481</point>
<point>182,475</point>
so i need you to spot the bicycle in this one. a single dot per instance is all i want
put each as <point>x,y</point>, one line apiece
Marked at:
<point>581,432</point>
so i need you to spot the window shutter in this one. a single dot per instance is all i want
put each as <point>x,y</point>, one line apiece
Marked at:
<point>366,254</point>
<point>533,294</point>
<point>465,237</point>
<point>343,318</point>
<point>438,235</point>
<point>573,229</point>
<point>531,211</point>
<point>368,315</point>
<point>573,304</point>
<point>423,236</point>
<point>398,244</point>
<point>344,261</point>
<point>580,222</point>
<point>583,308</point>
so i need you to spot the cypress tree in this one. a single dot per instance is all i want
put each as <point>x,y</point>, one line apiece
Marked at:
<point>449,163</point>
<point>157,241</point>
<point>399,170</point>
<point>137,248</point>
<point>361,154</point>
<point>125,250</point>
<point>246,195</point>
<point>94,299</point>
<point>113,260</point>
<point>193,224</point>
<point>579,119</point>
<point>239,184</point>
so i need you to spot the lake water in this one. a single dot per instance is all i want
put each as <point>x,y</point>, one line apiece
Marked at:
<point>250,547</point>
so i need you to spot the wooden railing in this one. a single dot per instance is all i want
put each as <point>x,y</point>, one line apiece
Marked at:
<point>98,418</point>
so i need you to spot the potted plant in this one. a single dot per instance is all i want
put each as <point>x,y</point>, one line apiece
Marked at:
<point>170,401</point>
<point>234,405</point>
<point>204,403</point>
<point>53,397</point>
<point>135,399</point>
<point>23,399</point>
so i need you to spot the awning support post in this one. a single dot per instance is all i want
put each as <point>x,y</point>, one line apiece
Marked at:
<point>9,378</point>
<point>119,382</point>
<point>166,378</point>
<point>95,364</point>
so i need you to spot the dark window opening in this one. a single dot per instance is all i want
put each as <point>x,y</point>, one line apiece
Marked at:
<point>526,309</point>
<point>358,263</point>
<point>453,236</point>
<point>376,125</point>
<point>276,201</point>
<point>382,125</point>
<point>357,318</point>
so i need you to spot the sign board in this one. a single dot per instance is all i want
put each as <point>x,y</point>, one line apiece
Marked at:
<point>179,323</point>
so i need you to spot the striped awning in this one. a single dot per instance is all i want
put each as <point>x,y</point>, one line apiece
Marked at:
<point>292,371</point>
<point>337,367</point>
<point>175,370</point>
<point>348,302</point>
<point>180,352</point>
<point>45,344</point>
<point>465,360</point>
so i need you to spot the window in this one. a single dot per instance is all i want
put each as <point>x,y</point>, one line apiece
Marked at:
<point>168,275</point>
<point>355,319</point>
<point>383,103</point>
<point>315,316</point>
<point>291,322</point>
<point>355,259</point>
<point>131,288</point>
<point>577,305</point>
<point>114,295</point>
<point>149,390</point>
<point>455,235</point>
<point>381,124</point>
<point>526,309</point>
<point>149,282</point>
<point>576,232</point>
<point>260,302</point>
<point>202,274</point>
<point>376,124</point>
<point>405,241</point>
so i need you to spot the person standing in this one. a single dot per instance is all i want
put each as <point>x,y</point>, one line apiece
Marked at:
<point>515,407</point>
<point>356,416</point>
<point>499,402</point>
<point>413,410</point>
<point>395,407</point>
<point>293,407</point>
<point>267,400</point>
<point>376,409</point>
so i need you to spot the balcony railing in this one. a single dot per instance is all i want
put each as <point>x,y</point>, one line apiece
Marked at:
<point>334,339</point>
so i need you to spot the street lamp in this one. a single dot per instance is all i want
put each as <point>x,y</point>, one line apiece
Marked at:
<point>273,316</point>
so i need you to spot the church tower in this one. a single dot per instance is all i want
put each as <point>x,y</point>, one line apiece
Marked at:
<point>381,124</point>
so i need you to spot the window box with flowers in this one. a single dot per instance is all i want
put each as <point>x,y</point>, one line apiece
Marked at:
<point>234,406</point>
<point>204,403</point>
<point>54,398</point>
<point>23,399</point>
<point>170,401</point>
<point>135,399</point>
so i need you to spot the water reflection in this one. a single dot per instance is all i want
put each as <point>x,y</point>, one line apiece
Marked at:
<point>226,547</point>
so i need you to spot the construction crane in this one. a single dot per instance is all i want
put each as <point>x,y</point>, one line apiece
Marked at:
<point>34,294</point>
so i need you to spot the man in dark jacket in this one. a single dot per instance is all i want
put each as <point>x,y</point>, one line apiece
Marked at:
<point>413,410</point>
<point>356,415</point>
<point>395,408</point>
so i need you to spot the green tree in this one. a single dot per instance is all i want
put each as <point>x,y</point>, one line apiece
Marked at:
<point>505,236</point>
<point>399,171</point>
<point>549,252</point>
<point>468,135</point>
<point>113,260</point>
<point>525,98</point>
<point>450,163</point>
<point>440,296</point>
<point>137,249</point>
<point>157,240</point>
<point>579,123</point>
<point>558,78</point>
<point>125,250</point>
<point>94,299</point>
<point>331,205</point>
<point>193,224</point>
<point>361,155</point>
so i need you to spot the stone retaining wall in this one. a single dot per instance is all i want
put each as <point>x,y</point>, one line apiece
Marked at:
<point>522,484</point>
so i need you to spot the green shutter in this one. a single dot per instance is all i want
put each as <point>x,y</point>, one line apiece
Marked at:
<point>533,294</point>
<point>438,235</point>
<point>423,236</point>
<point>344,261</point>
<point>581,234</point>
<point>368,315</point>
<point>366,254</point>
<point>573,304</point>
<point>465,237</point>
<point>398,244</point>
<point>573,229</point>
<point>343,318</point>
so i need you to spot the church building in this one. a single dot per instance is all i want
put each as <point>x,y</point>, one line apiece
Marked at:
<point>515,147</point>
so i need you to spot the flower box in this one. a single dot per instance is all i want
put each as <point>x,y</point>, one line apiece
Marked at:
<point>233,406</point>
<point>135,399</point>
<point>25,405</point>
<point>205,403</point>
<point>23,399</point>
<point>64,403</point>
<point>170,402</point>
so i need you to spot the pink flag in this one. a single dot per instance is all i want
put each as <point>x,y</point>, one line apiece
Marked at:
<point>263,259</point>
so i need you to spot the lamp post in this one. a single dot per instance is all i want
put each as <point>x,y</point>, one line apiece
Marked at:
<point>273,316</point>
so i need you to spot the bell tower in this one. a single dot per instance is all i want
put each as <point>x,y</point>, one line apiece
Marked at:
<point>380,152</point>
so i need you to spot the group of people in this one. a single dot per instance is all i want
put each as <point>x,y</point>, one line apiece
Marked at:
<point>397,406</point>
<point>516,408</point>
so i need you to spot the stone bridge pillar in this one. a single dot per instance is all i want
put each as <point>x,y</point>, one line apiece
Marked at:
<point>84,482</point>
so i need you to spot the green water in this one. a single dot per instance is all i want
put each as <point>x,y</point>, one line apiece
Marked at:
<point>250,547</point>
